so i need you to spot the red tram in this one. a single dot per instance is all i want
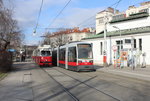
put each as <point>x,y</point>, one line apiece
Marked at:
<point>43,55</point>
<point>77,56</point>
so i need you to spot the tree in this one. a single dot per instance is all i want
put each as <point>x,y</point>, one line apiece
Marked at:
<point>57,38</point>
<point>47,40</point>
<point>61,37</point>
<point>9,31</point>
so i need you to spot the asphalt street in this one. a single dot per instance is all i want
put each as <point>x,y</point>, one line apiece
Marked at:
<point>28,82</point>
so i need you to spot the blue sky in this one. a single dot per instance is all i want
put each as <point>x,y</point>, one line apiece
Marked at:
<point>26,12</point>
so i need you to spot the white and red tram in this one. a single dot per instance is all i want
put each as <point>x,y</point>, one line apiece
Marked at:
<point>77,56</point>
<point>43,55</point>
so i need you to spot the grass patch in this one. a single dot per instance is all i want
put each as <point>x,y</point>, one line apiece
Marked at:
<point>2,75</point>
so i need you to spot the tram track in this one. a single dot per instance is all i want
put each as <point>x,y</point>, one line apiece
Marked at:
<point>121,84</point>
<point>65,89</point>
<point>142,83</point>
<point>116,77</point>
<point>81,82</point>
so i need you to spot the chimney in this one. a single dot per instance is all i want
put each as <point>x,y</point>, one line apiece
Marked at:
<point>131,7</point>
<point>109,9</point>
<point>117,11</point>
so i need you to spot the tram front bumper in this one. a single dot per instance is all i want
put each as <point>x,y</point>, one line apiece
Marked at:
<point>85,68</point>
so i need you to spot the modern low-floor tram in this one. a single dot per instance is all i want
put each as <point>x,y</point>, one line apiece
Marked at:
<point>77,56</point>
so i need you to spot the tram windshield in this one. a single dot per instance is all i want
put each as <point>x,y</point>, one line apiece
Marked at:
<point>85,51</point>
<point>45,53</point>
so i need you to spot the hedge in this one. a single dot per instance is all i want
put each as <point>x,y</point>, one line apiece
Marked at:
<point>5,61</point>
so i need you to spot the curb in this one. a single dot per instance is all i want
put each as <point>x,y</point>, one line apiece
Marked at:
<point>128,76</point>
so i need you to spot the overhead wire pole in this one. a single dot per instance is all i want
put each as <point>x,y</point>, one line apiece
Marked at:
<point>105,64</point>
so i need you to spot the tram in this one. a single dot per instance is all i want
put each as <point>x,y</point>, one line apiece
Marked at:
<point>76,56</point>
<point>43,55</point>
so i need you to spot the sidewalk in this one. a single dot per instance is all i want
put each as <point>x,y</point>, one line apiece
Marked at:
<point>137,73</point>
<point>14,87</point>
<point>30,83</point>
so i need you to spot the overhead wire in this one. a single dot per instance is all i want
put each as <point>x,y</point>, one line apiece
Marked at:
<point>38,16</point>
<point>81,23</point>
<point>90,17</point>
<point>59,13</point>
<point>94,15</point>
<point>117,4</point>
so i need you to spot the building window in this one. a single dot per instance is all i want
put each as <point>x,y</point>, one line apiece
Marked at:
<point>140,44</point>
<point>119,43</point>
<point>144,10</point>
<point>101,21</point>
<point>134,43</point>
<point>127,41</point>
<point>101,48</point>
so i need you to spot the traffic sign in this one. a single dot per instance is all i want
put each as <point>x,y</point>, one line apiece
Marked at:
<point>114,47</point>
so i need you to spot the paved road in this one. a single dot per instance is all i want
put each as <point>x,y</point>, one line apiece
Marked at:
<point>31,83</point>
<point>100,86</point>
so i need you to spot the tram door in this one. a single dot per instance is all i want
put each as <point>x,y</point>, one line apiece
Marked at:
<point>66,58</point>
<point>72,58</point>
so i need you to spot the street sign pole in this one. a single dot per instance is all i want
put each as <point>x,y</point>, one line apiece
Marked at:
<point>105,43</point>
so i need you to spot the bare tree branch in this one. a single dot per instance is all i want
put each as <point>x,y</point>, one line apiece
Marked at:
<point>9,31</point>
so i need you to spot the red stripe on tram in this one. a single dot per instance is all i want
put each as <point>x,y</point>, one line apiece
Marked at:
<point>72,63</point>
<point>62,62</point>
<point>85,63</point>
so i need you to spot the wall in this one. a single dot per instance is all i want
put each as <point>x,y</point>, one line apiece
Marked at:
<point>100,17</point>
<point>98,58</point>
<point>142,22</point>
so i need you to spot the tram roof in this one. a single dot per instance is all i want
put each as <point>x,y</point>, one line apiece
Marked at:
<point>44,46</point>
<point>75,43</point>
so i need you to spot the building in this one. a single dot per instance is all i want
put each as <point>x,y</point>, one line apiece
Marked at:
<point>103,17</point>
<point>62,37</point>
<point>128,35</point>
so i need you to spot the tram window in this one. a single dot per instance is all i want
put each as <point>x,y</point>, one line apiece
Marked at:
<point>62,54</point>
<point>45,53</point>
<point>72,54</point>
<point>85,51</point>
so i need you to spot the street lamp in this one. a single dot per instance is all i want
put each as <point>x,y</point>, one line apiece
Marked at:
<point>120,42</point>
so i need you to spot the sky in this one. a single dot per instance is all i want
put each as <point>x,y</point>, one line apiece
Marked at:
<point>78,11</point>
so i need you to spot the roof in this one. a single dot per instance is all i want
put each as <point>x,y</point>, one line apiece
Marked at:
<point>131,17</point>
<point>139,30</point>
<point>69,31</point>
